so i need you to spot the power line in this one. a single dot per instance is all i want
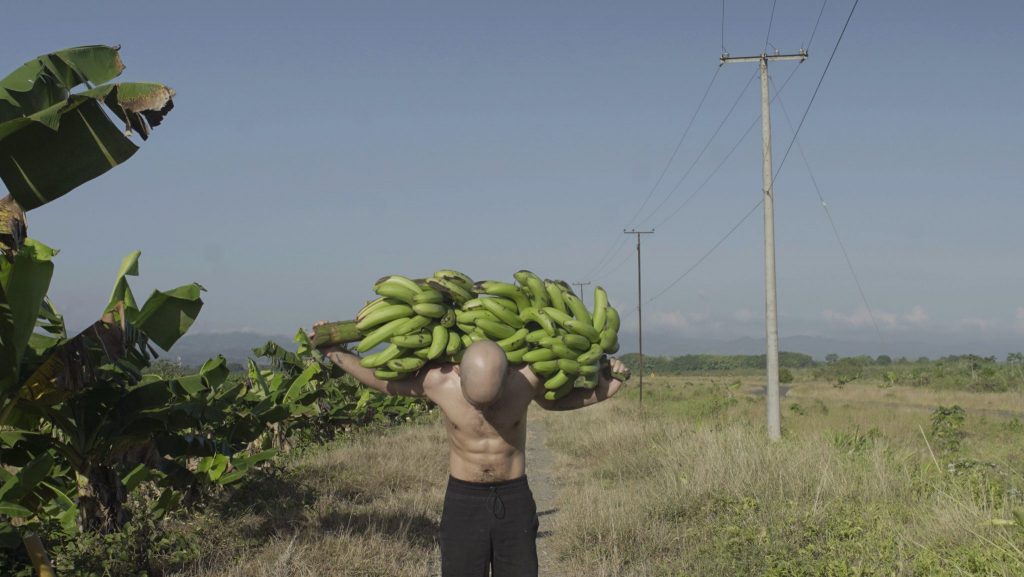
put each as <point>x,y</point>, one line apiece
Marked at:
<point>815,93</point>
<point>702,151</point>
<point>706,254</point>
<point>726,158</point>
<point>618,241</point>
<point>678,145</point>
<point>771,19</point>
<point>835,230</point>
<point>816,22</point>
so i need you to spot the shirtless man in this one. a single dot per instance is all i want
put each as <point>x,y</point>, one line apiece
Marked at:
<point>490,517</point>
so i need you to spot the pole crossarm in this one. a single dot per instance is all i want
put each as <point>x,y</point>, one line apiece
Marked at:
<point>726,59</point>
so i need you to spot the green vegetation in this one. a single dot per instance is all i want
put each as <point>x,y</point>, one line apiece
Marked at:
<point>690,485</point>
<point>966,372</point>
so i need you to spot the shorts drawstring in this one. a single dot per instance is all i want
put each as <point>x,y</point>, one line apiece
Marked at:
<point>497,505</point>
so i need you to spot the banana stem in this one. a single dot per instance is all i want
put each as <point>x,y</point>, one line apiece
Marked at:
<point>37,554</point>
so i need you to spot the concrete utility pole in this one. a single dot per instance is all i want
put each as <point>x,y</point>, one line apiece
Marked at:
<point>771,312</point>
<point>639,305</point>
<point>581,285</point>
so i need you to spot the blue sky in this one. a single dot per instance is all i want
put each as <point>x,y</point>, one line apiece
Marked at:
<point>316,146</point>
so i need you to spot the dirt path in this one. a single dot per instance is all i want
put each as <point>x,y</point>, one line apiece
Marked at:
<point>540,468</point>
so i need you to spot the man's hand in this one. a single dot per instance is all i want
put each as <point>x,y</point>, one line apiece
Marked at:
<point>614,367</point>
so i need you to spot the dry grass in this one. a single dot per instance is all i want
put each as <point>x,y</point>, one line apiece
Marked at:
<point>690,486</point>
<point>366,506</point>
<point>686,487</point>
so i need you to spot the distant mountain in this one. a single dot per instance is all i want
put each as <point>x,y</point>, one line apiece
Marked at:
<point>194,349</point>
<point>664,343</point>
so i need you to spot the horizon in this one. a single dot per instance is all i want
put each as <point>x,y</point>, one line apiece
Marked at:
<point>490,139</point>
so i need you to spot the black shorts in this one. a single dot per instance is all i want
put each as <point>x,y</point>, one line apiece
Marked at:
<point>489,526</point>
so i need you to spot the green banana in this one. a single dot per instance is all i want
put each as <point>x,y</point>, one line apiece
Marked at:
<point>454,343</point>
<point>448,320</point>
<point>558,393</point>
<point>386,375</point>
<point>555,292</point>
<point>406,364</point>
<point>541,318</point>
<point>413,341</point>
<point>514,342</point>
<point>544,367</point>
<point>384,315</point>
<point>539,355</point>
<point>379,335</point>
<point>569,367</point>
<point>585,329</point>
<point>614,348</point>
<point>579,310</point>
<point>589,381</point>
<point>563,352</point>
<point>592,355</point>
<point>503,289</point>
<point>438,342</point>
<point>397,279</point>
<point>371,306</point>
<point>534,287</point>
<point>456,277</point>
<point>516,356</point>
<point>613,321</point>
<point>534,337</point>
<point>600,308</point>
<point>587,370</point>
<point>494,329</point>
<point>454,290</point>
<point>380,359</point>
<point>421,353</point>
<point>560,379</point>
<point>505,315</point>
<point>608,339</point>
<point>397,291</point>
<point>470,317</point>
<point>577,342</point>
<point>558,316</point>
<point>432,310</point>
<point>471,304</point>
<point>429,295</point>
<point>412,325</point>
<point>466,340</point>
<point>466,328</point>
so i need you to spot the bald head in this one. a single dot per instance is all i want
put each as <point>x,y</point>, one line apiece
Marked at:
<point>482,372</point>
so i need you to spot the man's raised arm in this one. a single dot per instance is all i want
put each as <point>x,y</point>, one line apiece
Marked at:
<point>579,398</point>
<point>411,387</point>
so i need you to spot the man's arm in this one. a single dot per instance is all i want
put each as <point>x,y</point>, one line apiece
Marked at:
<point>414,386</point>
<point>579,398</point>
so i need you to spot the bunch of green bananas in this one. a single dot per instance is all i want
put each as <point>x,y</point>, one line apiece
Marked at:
<point>536,321</point>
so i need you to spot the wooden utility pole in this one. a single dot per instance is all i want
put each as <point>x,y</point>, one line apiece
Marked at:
<point>581,285</point>
<point>639,305</point>
<point>771,310</point>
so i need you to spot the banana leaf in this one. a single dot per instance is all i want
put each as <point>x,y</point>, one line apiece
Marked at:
<point>52,140</point>
<point>23,286</point>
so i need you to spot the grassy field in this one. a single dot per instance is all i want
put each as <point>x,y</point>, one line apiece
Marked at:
<point>686,486</point>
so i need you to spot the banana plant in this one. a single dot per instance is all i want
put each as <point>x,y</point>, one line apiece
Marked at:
<point>83,403</point>
<point>53,140</point>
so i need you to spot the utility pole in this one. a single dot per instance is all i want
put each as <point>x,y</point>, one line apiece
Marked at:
<point>581,285</point>
<point>639,305</point>
<point>771,310</point>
